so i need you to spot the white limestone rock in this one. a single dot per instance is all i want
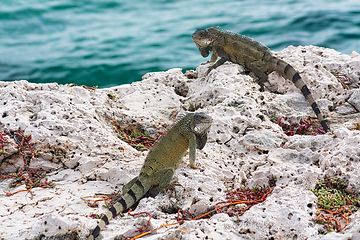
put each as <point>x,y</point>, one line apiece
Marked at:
<point>74,136</point>
<point>354,100</point>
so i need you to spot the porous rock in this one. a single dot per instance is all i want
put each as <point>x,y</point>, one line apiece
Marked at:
<point>74,131</point>
<point>354,100</point>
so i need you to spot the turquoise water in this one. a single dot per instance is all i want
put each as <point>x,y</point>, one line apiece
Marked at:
<point>108,43</point>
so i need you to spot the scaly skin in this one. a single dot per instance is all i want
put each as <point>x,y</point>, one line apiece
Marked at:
<point>190,132</point>
<point>251,55</point>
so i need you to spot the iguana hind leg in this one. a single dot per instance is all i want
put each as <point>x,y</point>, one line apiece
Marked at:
<point>259,70</point>
<point>166,176</point>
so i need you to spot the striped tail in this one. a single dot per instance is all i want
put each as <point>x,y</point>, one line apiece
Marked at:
<point>290,73</point>
<point>134,194</point>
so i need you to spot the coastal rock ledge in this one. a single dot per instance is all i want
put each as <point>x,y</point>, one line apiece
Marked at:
<point>74,135</point>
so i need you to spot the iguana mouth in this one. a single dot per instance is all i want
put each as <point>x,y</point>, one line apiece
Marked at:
<point>202,126</point>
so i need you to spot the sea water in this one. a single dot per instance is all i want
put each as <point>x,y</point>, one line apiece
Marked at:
<point>107,43</point>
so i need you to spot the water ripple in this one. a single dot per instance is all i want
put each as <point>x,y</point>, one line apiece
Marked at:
<point>108,43</point>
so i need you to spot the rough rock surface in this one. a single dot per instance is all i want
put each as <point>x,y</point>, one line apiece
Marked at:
<point>75,139</point>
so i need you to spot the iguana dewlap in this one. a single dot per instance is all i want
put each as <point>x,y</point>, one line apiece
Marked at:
<point>190,132</point>
<point>252,55</point>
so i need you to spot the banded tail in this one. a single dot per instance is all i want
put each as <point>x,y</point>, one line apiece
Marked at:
<point>287,71</point>
<point>128,199</point>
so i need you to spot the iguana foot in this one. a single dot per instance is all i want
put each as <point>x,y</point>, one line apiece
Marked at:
<point>193,166</point>
<point>171,187</point>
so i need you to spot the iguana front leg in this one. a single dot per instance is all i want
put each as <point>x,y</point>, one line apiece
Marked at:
<point>214,57</point>
<point>224,57</point>
<point>192,152</point>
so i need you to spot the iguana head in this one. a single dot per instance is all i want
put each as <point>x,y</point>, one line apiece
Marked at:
<point>197,123</point>
<point>201,37</point>
<point>202,123</point>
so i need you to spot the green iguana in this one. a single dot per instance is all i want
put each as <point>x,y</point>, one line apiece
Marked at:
<point>252,55</point>
<point>190,132</point>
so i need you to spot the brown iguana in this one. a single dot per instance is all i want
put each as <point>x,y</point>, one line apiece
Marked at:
<point>252,55</point>
<point>190,132</point>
